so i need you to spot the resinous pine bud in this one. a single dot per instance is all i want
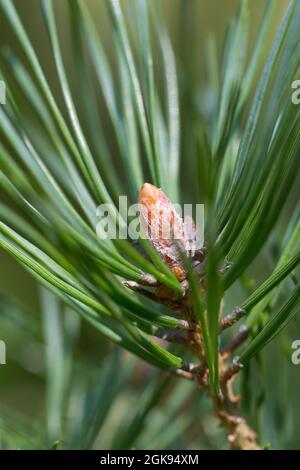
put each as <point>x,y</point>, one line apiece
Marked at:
<point>163,227</point>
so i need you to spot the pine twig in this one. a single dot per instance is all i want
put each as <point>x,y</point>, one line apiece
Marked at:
<point>241,336</point>
<point>232,318</point>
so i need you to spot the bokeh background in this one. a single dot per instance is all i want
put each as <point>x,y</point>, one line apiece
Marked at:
<point>23,381</point>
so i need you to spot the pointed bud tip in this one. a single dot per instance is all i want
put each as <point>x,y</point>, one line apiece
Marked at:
<point>150,194</point>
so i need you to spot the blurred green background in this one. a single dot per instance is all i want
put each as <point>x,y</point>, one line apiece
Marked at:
<point>22,379</point>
